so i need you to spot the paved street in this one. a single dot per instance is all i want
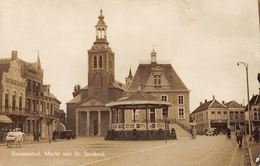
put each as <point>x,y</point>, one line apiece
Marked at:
<point>214,150</point>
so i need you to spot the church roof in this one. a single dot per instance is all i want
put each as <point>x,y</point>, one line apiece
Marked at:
<point>75,99</point>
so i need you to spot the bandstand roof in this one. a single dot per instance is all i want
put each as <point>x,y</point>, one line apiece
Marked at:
<point>139,100</point>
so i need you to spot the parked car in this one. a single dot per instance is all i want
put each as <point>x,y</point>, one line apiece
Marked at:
<point>68,134</point>
<point>210,133</point>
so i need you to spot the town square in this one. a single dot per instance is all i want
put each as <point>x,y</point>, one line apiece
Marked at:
<point>129,82</point>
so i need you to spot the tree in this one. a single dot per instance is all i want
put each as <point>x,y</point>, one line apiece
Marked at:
<point>76,91</point>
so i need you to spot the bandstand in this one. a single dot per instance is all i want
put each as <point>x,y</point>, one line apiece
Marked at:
<point>144,129</point>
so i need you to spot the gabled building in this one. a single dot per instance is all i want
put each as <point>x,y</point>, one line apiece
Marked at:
<point>23,96</point>
<point>162,81</point>
<point>219,115</point>
<point>254,104</point>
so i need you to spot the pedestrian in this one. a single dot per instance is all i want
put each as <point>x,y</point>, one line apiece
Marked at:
<point>54,134</point>
<point>228,133</point>
<point>239,135</point>
<point>1,136</point>
<point>35,136</point>
<point>4,136</point>
<point>256,135</point>
<point>194,133</point>
<point>38,136</point>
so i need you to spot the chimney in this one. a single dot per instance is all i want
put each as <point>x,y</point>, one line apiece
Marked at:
<point>205,100</point>
<point>14,55</point>
<point>213,97</point>
<point>200,103</point>
<point>223,102</point>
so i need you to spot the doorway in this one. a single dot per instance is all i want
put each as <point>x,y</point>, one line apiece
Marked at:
<point>95,127</point>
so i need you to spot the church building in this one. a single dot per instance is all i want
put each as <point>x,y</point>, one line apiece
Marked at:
<point>87,112</point>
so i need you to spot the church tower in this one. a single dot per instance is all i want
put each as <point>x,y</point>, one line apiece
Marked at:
<point>101,69</point>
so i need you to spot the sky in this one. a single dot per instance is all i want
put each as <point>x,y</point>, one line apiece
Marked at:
<point>203,40</point>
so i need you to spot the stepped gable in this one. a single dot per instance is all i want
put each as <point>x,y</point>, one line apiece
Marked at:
<point>143,73</point>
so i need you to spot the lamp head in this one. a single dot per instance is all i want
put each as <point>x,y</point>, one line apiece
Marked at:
<point>238,63</point>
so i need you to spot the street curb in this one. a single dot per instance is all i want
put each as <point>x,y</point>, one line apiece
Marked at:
<point>231,158</point>
<point>250,153</point>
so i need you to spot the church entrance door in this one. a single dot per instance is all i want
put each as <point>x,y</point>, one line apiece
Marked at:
<point>95,127</point>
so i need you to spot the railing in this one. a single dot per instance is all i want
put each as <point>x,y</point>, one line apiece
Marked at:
<point>138,126</point>
<point>10,110</point>
<point>117,126</point>
<point>181,125</point>
<point>156,126</point>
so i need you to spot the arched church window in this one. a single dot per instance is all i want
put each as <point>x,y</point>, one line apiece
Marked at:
<point>100,61</point>
<point>98,81</point>
<point>95,61</point>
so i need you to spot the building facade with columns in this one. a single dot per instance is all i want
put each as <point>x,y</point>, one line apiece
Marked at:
<point>24,98</point>
<point>87,113</point>
<point>219,115</point>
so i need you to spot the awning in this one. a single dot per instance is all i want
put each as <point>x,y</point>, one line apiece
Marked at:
<point>5,119</point>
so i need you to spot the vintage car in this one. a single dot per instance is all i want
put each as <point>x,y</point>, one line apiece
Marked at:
<point>210,133</point>
<point>68,134</point>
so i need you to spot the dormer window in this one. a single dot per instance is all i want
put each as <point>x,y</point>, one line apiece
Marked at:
<point>157,81</point>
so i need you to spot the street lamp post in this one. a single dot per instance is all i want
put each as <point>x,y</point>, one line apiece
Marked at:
<point>48,120</point>
<point>249,113</point>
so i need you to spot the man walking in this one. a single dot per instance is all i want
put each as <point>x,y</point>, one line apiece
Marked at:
<point>239,135</point>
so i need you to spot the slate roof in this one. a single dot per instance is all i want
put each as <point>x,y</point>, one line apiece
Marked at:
<point>255,100</point>
<point>143,73</point>
<point>233,104</point>
<point>209,104</point>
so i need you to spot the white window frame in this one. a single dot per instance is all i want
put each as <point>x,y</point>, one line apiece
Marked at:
<point>179,99</point>
<point>166,96</point>
<point>179,109</point>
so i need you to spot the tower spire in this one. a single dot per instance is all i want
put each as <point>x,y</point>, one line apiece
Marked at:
<point>101,30</point>
<point>153,57</point>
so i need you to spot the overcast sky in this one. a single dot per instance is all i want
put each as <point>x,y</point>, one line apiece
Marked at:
<point>202,39</point>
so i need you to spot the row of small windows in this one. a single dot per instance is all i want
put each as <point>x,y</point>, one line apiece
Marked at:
<point>97,61</point>
<point>180,98</point>
<point>33,86</point>
<point>32,105</point>
<point>13,103</point>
